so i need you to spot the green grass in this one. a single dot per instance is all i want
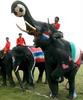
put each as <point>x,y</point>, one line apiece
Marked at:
<point>7,93</point>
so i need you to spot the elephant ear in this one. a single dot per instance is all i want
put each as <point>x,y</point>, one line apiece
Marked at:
<point>16,51</point>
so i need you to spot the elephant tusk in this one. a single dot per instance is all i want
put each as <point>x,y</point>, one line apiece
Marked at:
<point>13,59</point>
<point>16,69</point>
<point>30,25</point>
<point>22,29</point>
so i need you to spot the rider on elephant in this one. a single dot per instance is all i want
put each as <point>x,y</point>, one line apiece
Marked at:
<point>7,45</point>
<point>52,32</point>
<point>56,23</point>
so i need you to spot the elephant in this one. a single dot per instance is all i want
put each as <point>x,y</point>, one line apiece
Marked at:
<point>59,55</point>
<point>26,58</point>
<point>6,65</point>
<point>23,60</point>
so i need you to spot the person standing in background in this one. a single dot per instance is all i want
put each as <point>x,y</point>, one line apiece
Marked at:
<point>20,40</point>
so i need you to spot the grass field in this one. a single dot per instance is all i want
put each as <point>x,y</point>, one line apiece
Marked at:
<point>7,93</point>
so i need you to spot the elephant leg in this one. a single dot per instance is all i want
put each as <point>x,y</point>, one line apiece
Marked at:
<point>25,80</point>
<point>10,78</point>
<point>30,69</point>
<point>53,84</point>
<point>71,81</point>
<point>41,70</point>
<point>3,77</point>
<point>19,80</point>
<point>25,77</point>
<point>31,79</point>
<point>9,74</point>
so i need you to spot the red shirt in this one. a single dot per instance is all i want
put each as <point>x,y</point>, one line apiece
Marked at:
<point>7,47</point>
<point>57,26</point>
<point>20,41</point>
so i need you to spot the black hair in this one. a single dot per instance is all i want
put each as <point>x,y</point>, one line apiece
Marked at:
<point>20,33</point>
<point>57,18</point>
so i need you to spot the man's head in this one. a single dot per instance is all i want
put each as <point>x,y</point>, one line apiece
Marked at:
<point>56,19</point>
<point>7,38</point>
<point>20,34</point>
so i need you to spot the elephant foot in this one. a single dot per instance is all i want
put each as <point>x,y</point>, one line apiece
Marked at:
<point>72,97</point>
<point>31,87</point>
<point>45,82</point>
<point>24,84</point>
<point>22,87</point>
<point>53,96</point>
<point>4,85</point>
<point>39,80</point>
<point>12,85</point>
<point>23,90</point>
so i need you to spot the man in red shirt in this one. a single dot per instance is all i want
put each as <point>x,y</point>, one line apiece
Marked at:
<point>7,45</point>
<point>20,41</point>
<point>57,34</point>
<point>56,24</point>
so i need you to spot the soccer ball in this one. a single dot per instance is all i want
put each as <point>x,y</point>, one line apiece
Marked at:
<point>19,10</point>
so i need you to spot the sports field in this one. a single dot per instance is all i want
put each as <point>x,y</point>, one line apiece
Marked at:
<point>41,91</point>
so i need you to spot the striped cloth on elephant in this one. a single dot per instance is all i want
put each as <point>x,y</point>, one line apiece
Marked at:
<point>38,54</point>
<point>76,53</point>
